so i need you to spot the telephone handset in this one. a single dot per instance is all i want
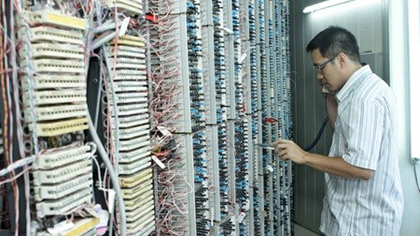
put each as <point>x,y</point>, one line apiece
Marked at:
<point>325,90</point>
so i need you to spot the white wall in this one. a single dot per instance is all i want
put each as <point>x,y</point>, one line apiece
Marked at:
<point>399,79</point>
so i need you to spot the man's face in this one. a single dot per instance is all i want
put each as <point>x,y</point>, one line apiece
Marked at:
<point>329,74</point>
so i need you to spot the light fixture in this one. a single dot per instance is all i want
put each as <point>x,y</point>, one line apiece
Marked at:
<point>323,5</point>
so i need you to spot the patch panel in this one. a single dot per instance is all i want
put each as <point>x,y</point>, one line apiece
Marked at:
<point>128,157</point>
<point>133,132</point>
<point>131,121</point>
<point>138,51</point>
<point>142,225</point>
<point>127,110</point>
<point>128,63</point>
<point>57,112</point>
<point>61,127</point>
<point>142,221</point>
<point>55,96</point>
<point>138,190</point>
<point>43,192</point>
<point>129,41</point>
<point>50,60</point>
<point>51,50</point>
<point>131,181</point>
<point>140,217</point>
<point>54,82</point>
<point>59,66</point>
<point>46,17</point>
<point>136,97</point>
<point>134,3</point>
<point>147,229</point>
<point>130,86</point>
<point>133,38</point>
<point>45,33</point>
<point>139,210</point>
<point>134,74</point>
<point>134,143</point>
<point>125,5</point>
<point>131,168</point>
<point>138,199</point>
<point>126,51</point>
<point>61,157</point>
<point>61,174</point>
<point>131,205</point>
<point>58,207</point>
<point>140,183</point>
<point>197,111</point>
<point>82,227</point>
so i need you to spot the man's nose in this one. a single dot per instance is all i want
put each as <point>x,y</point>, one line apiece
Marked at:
<point>319,75</point>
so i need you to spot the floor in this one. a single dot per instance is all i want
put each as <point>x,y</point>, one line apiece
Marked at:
<point>300,231</point>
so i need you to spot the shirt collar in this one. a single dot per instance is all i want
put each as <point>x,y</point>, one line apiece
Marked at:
<point>352,83</point>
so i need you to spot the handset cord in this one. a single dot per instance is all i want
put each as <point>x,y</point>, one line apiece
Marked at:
<point>321,130</point>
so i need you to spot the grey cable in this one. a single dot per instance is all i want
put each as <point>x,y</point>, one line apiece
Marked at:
<point>112,174</point>
<point>104,54</point>
<point>98,98</point>
<point>111,86</point>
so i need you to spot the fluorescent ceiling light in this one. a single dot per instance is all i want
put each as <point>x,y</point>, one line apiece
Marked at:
<point>323,5</point>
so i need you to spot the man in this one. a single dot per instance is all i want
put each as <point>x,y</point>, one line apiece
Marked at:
<point>363,188</point>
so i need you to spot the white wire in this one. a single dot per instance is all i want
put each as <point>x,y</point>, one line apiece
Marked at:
<point>98,98</point>
<point>113,175</point>
<point>17,164</point>
<point>19,118</point>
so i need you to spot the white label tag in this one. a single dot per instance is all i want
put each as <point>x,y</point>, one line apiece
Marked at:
<point>242,58</point>
<point>229,31</point>
<point>111,197</point>
<point>61,227</point>
<point>241,217</point>
<point>124,26</point>
<point>211,216</point>
<point>92,212</point>
<point>158,162</point>
<point>270,168</point>
<point>164,131</point>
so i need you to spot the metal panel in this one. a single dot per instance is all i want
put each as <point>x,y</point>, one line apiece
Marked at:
<point>259,152</point>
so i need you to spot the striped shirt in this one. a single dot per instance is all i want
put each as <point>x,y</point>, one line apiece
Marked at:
<point>364,136</point>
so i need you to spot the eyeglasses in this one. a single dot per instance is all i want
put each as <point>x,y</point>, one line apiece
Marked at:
<point>319,68</point>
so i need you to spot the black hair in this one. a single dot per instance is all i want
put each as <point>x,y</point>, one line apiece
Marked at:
<point>334,40</point>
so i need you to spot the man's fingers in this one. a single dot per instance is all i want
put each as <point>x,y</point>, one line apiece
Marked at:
<point>282,153</point>
<point>285,157</point>
<point>281,146</point>
<point>280,141</point>
<point>275,142</point>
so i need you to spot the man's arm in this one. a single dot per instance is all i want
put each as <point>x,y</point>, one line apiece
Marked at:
<point>336,166</point>
<point>288,150</point>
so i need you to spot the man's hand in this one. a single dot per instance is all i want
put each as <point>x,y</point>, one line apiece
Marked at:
<point>288,150</point>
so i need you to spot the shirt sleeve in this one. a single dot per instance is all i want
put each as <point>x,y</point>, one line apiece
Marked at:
<point>363,124</point>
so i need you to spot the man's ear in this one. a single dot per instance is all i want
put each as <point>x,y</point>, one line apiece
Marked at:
<point>342,60</point>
